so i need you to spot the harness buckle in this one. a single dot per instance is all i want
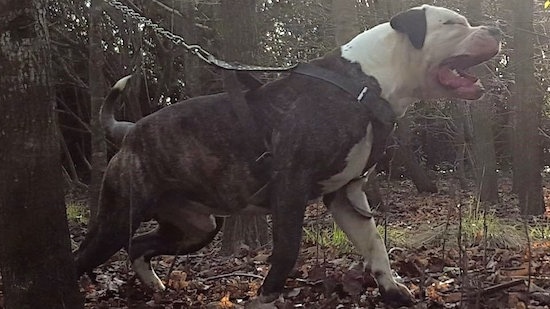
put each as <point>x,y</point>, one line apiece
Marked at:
<point>362,93</point>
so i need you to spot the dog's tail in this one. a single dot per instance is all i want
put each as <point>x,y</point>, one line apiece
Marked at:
<point>114,129</point>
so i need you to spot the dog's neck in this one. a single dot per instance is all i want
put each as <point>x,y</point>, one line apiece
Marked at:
<point>396,86</point>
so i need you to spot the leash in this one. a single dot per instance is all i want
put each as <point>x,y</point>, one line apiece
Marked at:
<point>194,49</point>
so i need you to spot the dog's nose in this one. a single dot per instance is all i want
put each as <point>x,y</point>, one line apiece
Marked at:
<point>494,31</point>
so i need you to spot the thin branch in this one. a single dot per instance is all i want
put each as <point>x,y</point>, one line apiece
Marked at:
<point>168,8</point>
<point>529,256</point>
<point>498,287</point>
<point>234,274</point>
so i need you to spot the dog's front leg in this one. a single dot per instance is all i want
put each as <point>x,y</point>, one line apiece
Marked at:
<point>288,199</point>
<point>351,211</point>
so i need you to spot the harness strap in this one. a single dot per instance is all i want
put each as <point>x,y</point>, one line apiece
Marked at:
<point>350,86</point>
<point>379,107</point>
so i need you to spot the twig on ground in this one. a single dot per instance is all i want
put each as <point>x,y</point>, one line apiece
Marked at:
<point>392,249</point>
<point>172,265</point>
<point>496,288</point>
<point>234,274</point>
<point>529,256</point>
<point>446,230</point>
<point>485,237</point>
<point>461,262</point>
<point>530,277</point>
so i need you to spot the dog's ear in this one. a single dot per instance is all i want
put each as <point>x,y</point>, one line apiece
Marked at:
<point>413,24</point>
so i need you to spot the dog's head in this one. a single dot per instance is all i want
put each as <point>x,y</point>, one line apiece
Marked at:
<point>449,46</point>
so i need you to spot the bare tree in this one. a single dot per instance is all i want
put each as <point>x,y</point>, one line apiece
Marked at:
<point>345,20</point>
<point>461,136</point>
<point>239,41</point>
<point>96,81</point>
<point>482,115</point>
<point>35,254</point>
<point>405,155</point>
<point>526,100</point>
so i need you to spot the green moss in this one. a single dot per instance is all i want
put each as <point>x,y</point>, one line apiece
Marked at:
<point>77,213</point>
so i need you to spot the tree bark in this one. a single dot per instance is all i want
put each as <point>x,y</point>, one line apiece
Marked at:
<point>195,72</point>
<point>526,99</point>
<point>482,117</point>
<point>35,254</point>
<point>345,21</point>
<point>461,138</point>
<point>406,156</point>
<point>239,41</point>
<point>96,81</point>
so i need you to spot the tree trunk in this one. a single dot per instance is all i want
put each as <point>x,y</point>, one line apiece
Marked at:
<point>482,116</point>
<point>96,81</point>
<point>391,8</point>
<point>195,72</point>
<point>485,166</point>
<point>526,99</point>
<point>239,41</point>
<point>460,139</point>
<point>345,20</point>
<point>406,156</point>
<point>35,254</point>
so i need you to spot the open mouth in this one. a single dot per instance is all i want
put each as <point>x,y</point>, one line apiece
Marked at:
<point>453,74</point>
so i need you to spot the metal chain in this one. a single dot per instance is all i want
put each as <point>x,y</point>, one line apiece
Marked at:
<point>193,48</point>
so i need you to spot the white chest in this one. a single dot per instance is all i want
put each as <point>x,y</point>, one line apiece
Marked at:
<point>356,161</point>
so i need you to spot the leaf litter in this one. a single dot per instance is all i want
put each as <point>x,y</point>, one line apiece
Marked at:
<point>476,274</point>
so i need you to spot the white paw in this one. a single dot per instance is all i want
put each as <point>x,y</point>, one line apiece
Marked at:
<point>147,275</point>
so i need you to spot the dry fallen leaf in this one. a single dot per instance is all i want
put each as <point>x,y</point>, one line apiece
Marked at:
<point>452,297</point>
<point>225,303</point>
<point>431,293</point>
<point>177,280</point>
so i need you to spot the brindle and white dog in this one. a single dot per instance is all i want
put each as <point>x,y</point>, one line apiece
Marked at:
<point>193,163</point>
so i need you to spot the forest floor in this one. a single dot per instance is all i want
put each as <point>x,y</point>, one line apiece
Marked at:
<point>501,267</point>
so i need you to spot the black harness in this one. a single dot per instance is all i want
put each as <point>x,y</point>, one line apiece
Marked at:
<point>383,118</point>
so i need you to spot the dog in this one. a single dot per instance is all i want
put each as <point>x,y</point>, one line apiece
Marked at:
<point>191,164</point>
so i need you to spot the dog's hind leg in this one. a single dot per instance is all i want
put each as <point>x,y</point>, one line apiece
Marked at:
<point>110,231</point>
<point>174,235</point>
<point>351,211</point>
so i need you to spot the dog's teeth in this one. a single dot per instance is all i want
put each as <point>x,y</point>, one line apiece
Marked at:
<point>455,72</point>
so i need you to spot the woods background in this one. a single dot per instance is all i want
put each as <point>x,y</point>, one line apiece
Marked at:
<point>472,140</point>
<point>75,50</point>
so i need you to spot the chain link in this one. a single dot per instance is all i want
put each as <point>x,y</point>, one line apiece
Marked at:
<point>174,38</point>
<point>193,48</point>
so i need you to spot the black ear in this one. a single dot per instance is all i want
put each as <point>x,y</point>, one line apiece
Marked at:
<point>413,24</point>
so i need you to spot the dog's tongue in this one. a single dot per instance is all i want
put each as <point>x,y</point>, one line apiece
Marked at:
<point>466,86</point>
<point>450,79</point>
